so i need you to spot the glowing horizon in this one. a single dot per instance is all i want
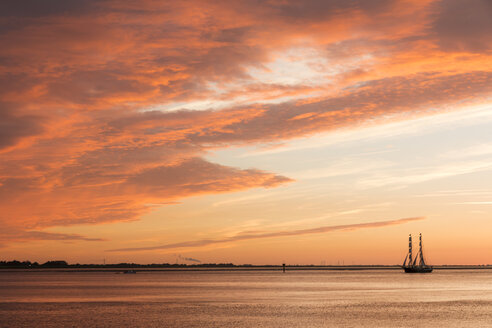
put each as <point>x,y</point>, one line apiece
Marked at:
<point>245,132</point>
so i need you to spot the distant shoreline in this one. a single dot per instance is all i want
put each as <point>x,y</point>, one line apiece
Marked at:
<point>204,268</point>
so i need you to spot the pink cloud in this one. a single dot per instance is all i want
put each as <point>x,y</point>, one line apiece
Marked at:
<point>261,235</point>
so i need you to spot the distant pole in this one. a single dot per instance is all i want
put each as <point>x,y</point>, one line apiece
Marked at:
<point>283,267</point>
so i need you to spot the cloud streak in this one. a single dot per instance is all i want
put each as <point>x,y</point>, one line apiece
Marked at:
<point>18,235</point>
<point>261,235</point>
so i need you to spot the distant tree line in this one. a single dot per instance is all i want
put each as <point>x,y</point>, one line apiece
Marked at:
<point>29,264</point>
<point>63,264</point>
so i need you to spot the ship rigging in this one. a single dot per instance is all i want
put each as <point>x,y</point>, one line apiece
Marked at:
<point>417,264</point>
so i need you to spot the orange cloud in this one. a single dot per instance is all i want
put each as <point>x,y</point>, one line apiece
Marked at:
<point>86,88</point>
<point>98,195</point>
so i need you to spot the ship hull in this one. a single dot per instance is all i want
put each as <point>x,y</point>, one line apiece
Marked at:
<point>418,269</point>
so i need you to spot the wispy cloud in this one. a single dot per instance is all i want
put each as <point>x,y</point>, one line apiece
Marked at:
<point>387,128</point>
<point>17,235</point>
<point>346,166</point>
<point>458,193</point>
<point>425,174</point>
<point>476,203</point>
<point>260,235</point>
<point>480,150</point>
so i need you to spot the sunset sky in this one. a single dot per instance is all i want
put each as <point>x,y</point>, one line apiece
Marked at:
<point>262,132</point>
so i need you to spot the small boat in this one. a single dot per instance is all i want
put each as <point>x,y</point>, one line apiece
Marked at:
<point>417,264</point>
<point>129,272</point>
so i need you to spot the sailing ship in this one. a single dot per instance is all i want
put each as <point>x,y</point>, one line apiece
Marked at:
<point>417,264</point>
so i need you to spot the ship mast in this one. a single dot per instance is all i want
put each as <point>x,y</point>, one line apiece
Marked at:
<point>422,262</point>
<point>409,249</point>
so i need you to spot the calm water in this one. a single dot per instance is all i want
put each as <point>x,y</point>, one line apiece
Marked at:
<point>246,299</point>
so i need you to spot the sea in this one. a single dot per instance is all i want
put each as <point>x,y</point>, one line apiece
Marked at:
<point>385,298</point>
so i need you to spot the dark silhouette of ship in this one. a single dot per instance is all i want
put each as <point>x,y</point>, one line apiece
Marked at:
<point>417,264</point>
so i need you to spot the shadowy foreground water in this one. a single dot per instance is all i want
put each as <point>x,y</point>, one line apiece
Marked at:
<point>246,299</point>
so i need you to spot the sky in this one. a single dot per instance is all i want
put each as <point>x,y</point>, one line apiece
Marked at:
<point>251,132</point>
